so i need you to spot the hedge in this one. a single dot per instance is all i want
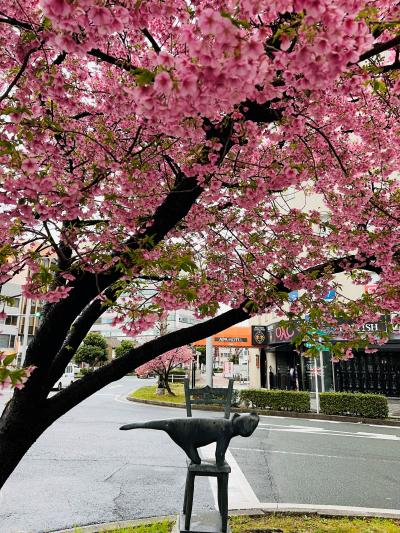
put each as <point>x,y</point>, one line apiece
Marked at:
<point>354,404</point>
<point>277,400</point>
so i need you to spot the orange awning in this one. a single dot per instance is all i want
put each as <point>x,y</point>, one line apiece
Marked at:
<point>235,336</point>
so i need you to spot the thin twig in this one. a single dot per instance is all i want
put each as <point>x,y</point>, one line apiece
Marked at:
<point>19,73</point>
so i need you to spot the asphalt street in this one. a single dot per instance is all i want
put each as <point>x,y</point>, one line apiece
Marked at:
<point>84,470</point>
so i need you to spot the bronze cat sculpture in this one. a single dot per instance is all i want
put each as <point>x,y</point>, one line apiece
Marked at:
<point>193,433</point>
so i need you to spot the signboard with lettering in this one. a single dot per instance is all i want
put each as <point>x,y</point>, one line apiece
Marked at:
<point>259,335</point>
<point>278,333</point>
<point>281,333</point>
<point>230,339</point>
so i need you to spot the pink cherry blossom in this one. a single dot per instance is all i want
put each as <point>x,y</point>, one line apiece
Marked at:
<point>227,152</point>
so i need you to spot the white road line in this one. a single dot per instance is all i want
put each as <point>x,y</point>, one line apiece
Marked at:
<point>293,426</point>
<point>352,458</point>
<point>263,417</point>
<point>241,495</point>
<point>296,453</point>
<point>121,398</point>
<point>328,433</point>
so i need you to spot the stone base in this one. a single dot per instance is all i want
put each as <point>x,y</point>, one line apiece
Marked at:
<point>206,522</point>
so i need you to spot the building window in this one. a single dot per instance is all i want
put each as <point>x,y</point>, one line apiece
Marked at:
<point>15,302</point>
<point>11,320</point>
<point>7,341</point>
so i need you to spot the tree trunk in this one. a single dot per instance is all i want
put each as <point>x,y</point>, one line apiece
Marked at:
<point>20,426</point>
<point>168,388</point>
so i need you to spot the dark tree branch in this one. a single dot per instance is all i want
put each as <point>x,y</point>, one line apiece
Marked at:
<point>107,58</point>
<point>154,44</point>
<point>60,58</point>
<point>331,147</point>
<point>378,48</point>
<point>86,386</point>
<point>389,68</point>
<point>77,333</point>
<point>15,22</point>
<point>19,73</point>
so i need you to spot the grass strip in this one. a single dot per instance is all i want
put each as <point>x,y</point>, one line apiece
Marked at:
<point>149,393</point>
<point>311,524</point>
<point>281,523</point>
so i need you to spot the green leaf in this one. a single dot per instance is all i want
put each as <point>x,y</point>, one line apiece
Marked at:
<point>9,359</point>
<point>144,76</point>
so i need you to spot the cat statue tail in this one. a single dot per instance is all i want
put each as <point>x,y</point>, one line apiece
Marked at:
<point>152,424</point>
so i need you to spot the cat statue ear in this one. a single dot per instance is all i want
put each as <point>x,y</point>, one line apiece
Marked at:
<point>246,424</point>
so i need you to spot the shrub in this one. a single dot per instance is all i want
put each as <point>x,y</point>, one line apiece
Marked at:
<point>354,404</point>
<point>277,400</point>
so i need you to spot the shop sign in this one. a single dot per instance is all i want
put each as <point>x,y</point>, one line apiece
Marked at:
<point>230,339</point>
<point>373,327</point>
<point>259,335</point>
<point>279,333</point>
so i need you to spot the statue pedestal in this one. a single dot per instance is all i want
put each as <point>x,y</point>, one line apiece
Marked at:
<point>200,522</point>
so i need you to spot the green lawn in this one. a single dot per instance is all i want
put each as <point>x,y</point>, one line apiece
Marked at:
<point>149,393</point>
<point>283,524</point>
<point>311,524</point>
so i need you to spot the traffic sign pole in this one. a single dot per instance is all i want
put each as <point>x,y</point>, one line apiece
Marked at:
<point>321,364</point>
<point>316,383</point>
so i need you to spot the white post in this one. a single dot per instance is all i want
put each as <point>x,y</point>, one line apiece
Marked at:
<point>26,330</point>
<point>321,364</point>
<point>316,384</point>
<point>209,362</point>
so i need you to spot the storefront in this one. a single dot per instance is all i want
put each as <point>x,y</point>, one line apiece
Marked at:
<point>284,367</point>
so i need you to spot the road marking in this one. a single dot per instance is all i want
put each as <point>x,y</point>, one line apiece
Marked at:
<point>121,398</point>
<point>296,453</point>
<point>357,458</point>
<point>241,495</point>
<point>332,421</point>
<point>329,432</point>
<point>294,426</point>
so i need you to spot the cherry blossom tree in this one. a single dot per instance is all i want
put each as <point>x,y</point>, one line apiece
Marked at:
<point>165,363</point>
<point>153,144</point>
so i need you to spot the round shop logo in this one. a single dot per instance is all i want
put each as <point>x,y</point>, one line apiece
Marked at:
<point>259,337</point>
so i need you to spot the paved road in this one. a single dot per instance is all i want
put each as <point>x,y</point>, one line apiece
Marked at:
<point>83,470</point>
<point>319,462</point>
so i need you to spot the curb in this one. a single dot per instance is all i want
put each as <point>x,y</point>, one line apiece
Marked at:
<point>265,509</point>
<point>286,414</point>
